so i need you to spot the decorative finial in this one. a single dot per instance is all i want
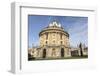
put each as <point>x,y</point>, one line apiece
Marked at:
<point>55,23</point>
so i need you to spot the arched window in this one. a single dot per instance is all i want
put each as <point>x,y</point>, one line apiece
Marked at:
<point>46,42</point>
<point>61,42</point>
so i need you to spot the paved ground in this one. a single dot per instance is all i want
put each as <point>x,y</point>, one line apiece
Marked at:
<point>78,57</point>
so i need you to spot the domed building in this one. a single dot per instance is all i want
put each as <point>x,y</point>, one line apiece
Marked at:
<point>54,42</point>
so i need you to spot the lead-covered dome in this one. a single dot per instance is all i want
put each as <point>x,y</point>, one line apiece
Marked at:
<point>54,26</point>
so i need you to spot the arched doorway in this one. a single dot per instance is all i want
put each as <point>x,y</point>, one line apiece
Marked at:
<point>44,53</point>
<point>62,52</point>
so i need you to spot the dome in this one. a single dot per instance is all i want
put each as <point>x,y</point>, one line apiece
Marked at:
<point>53,27</point>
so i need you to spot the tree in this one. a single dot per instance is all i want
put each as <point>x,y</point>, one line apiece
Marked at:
<point>80,46</point>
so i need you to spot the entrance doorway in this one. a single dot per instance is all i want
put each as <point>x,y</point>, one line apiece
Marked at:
<point>44,53</point>
<point>62,52</point>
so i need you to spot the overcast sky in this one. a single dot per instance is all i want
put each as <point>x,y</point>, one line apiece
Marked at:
<point>76,26</point>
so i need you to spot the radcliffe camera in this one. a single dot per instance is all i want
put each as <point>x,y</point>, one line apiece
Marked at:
<point>57,37</point>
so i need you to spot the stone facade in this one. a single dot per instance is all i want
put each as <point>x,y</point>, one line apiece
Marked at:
<point>54,43</point>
